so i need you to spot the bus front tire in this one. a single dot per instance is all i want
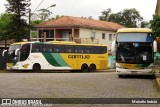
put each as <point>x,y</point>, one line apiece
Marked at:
<point>84,68</point>
<point>92,68</point>
<point>36,67</point>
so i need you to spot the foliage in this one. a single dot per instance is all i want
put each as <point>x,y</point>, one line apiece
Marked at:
<point>155,25</point>
<point>5,28</point>
<point>20,29</point>
<point>90,17</point>
<point>145,24</point>
<point>33,34</point>
<point>127,17</point>
<point>57,17</point>
<point>17,7</point>
<point>105,15</point>
<point>34,22</point>
<point>44,14</point>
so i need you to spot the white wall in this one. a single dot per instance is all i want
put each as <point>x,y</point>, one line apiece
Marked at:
<point>86,33</point>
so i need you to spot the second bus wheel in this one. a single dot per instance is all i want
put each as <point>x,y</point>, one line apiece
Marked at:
<point>92,68</point>
<point>84,68</point>
<point>36,67</point>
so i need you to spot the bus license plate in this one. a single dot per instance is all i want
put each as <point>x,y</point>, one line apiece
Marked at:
<point>133,72</point>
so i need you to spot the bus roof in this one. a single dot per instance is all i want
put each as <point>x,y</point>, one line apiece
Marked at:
<point>60,42</point>
<point>134,30</point>
<point>71,43</point>
<point>64,42</point>
<point>25,42</point>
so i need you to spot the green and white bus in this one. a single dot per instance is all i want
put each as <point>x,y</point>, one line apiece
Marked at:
<point>57,55</point>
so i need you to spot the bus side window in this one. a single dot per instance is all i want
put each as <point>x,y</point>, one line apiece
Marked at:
<point>25,51</point>
<point>36,48</point>
<point>79,49</point>
<point>97,50</point>
<point>89,49</point>
<point>103,49</point>
<point>48,48</point>
<point>58,48</point>
<point>69,49</point>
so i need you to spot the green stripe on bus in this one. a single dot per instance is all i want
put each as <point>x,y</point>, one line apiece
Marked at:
<point>143,65</point>
<point>51,60</point>
<point>54,59</point>
<point>59,59</point>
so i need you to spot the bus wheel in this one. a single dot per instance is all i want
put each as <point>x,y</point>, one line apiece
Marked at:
<point>36,67</point>
<point>84,68</point>
<point>120,76</point>
<point>92,68</point>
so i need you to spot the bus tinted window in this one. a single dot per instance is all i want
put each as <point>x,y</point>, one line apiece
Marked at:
<point>89,49</point>
<point>36,48</point>
<point>58,48</point>
<point>97,50</point>
<point>69,49</point>
<point>24,52</point>
<point>79,49</point>
<point>103,49</point>
<point>47,48</point>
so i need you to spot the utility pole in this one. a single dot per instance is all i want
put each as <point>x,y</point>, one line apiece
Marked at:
<point>30,16</point>
<point>29,38</point>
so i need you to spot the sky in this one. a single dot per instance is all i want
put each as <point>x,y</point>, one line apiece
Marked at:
<point>86,8</point>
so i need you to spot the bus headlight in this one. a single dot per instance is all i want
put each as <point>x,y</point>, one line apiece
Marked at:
<point>120,67</point>
<point>150,67</point>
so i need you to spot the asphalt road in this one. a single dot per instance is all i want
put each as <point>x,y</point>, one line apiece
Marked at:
<point>74,85</point>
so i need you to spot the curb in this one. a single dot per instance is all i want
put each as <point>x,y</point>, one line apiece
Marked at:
<point>108,70</point>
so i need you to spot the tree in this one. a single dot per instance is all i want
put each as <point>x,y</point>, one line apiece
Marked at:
<point>145,24</point>
<point>105,15</point>
<point>34,22</point>
<point>127,17</point>
<point>155,25</point>
<point>90,17</point>
<point>20,28</point>
<point>5,29</point>
<point>44,14</point>
<point>18,7</point>
<point>55,18</point>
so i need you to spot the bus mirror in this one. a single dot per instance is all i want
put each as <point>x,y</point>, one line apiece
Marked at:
<point>155,46</point>
<point>16,52</point>
<point>113,48</point>
<point>4,52</point>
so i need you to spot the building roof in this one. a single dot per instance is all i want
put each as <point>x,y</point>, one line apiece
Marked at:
<point>69,21</point>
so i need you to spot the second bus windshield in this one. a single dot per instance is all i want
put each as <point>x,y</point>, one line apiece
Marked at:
<point>134,53</point>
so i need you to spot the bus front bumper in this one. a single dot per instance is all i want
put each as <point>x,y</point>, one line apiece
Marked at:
<point>134,71</point>
<point>18,66</point>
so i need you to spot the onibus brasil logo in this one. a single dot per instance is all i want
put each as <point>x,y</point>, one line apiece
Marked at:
<point>22,102</point>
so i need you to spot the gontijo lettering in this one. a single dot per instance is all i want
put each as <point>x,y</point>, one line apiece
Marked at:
<point>79,56</point>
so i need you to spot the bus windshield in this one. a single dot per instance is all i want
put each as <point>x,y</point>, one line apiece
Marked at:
<point>22,54</point>
<point>132,37</point>
<point>136,52</point>
<point>14,47</point>
<point>11,51</point>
